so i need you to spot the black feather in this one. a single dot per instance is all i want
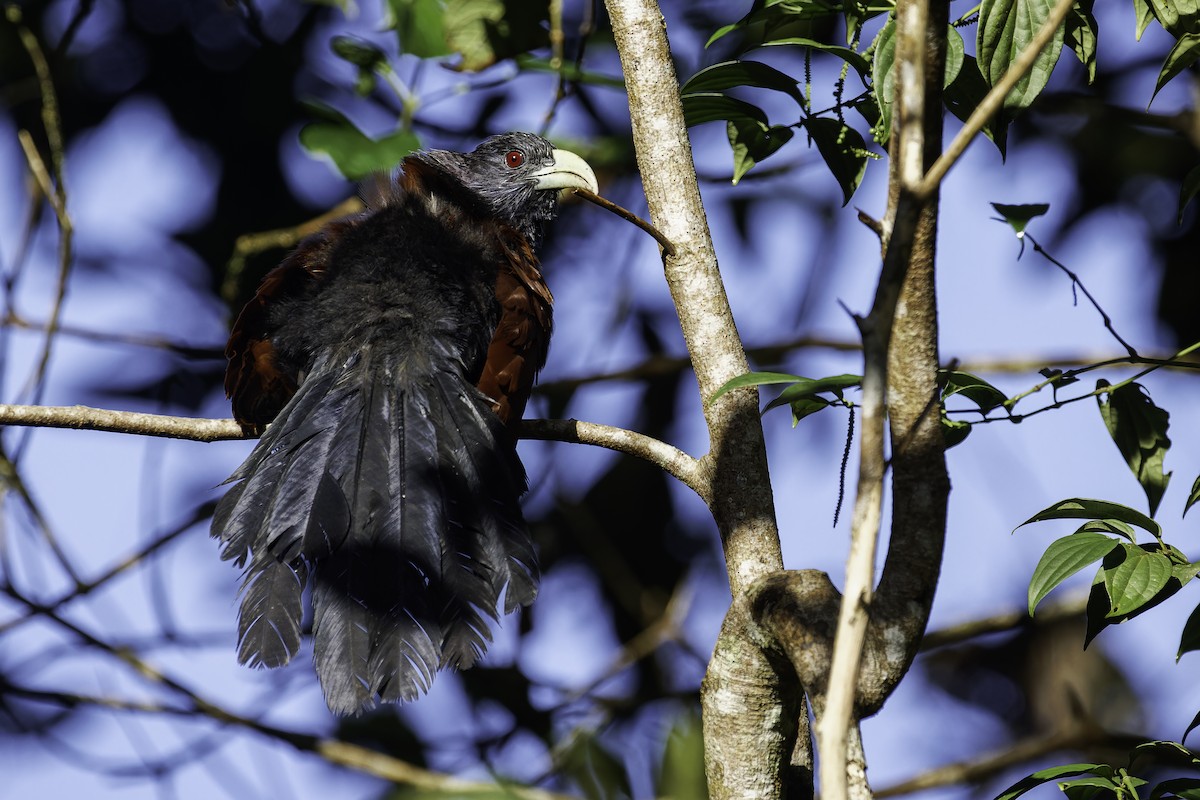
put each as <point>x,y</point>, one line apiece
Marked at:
<point>387,481</point>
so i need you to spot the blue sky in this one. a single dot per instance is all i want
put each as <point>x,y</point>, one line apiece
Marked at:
<point>136,183</point>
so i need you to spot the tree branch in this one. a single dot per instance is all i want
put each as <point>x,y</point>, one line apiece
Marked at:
<point>740,495</point>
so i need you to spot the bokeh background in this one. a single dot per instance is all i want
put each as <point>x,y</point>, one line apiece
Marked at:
<point>182,120</point>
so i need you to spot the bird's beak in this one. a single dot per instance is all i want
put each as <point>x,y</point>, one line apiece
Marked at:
<point>568,171</point>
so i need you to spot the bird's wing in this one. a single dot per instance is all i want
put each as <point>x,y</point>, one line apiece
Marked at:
<point>256,383</point>
<point>518,348</point>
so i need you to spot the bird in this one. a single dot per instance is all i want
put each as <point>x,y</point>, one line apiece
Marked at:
<point>386,363</point>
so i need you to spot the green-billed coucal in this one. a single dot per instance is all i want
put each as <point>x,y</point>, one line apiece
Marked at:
<point>392,354</point>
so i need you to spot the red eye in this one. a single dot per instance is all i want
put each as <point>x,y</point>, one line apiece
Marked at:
<point>514,158</point>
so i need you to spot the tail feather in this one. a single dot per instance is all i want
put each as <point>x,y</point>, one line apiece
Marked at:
<point>271,610</point>
<point>392,485</point>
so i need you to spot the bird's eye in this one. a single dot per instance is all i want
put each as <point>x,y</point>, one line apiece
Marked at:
<point>514,158</point>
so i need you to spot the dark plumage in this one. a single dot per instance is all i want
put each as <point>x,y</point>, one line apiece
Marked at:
<point>394,352</point>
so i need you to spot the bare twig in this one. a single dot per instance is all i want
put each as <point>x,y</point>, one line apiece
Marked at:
<point>1037,248</point>
<point>629,216</point>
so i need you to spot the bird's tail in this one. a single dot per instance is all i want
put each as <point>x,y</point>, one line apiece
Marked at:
<point>394,488</point>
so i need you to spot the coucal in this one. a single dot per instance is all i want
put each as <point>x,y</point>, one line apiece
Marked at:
<point>392,354</point>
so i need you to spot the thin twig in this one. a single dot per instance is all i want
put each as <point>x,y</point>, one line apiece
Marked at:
<point>629,216</point>
<point>1037,248</point>
<point>993,101</point>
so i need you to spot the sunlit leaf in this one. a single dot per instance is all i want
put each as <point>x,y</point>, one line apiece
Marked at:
<point>1177,16</point>
<point>1082,508</point>
<point>1064,558</point>
<point>1005,30</point>
<point>1144,15</point>
<point>1139,429</point>
<point>972,387</point>
<point>811,387</point>
<point>419,26</point>
<point>355,154</point>
<point>1081,35</point>
<point>754,379</point>
<point>1100,614</point>
<point>1182,55</point>
<point>883,79</point>
<point>1135,580</point>
<point>1050,774</point>
<point>1193,496</point>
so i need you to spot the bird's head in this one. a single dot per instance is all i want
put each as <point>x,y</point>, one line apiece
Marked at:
<point>517,176</point>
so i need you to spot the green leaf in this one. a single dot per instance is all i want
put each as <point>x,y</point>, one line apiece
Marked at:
<point>883,79</point>
<point>956,51</point>
<point>358,52</point>
<point>772,20</point>
<point>487,31</point>
<point>570,71</point>
<point>1193,496</point>
<point>354,153</point>
<point>1191,727</point>
<point>1086,788</point>
<point>852,57</point>
<point>844,151</point>
<point>1183,788</point>
<point>1139,429</point>
<point>1135,580</point>
<point>1187,190</point>
<point>682,774</point>
<point>805,406</point>
<point>883,76</point>
<point>954,431</point>
<point>1144,15</point>
<point>1182,55</point>
<point>1081,35</point>
<point>1162,753</point>
<point>1107,526</point>
<point>1081,508</point>
<point>599,774</point>
<point>1178,17</point>
<point>1050,774</point>
<point>1019,216</point>
<point>965,94</point>
<point>810,387</point>
<point>1006,28</point>
<point>753,142</point>
<point>1189,640</point>
<point>1100,613</point>
<point>420,27</point>
<point>729,74</point>
<point>1063,559</point>
<point>702,107</point>
<point>754,379</point>
<point>972,387</point>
